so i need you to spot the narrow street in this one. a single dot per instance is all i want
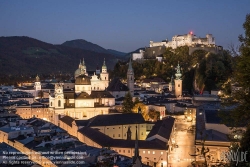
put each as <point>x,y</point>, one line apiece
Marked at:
<point>184,137</point>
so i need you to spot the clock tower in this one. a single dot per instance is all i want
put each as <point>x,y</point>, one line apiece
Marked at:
<point>59,97</point>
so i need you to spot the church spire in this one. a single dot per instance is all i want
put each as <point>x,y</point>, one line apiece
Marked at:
<point>130,68</point>
<point>83,63</point>
<point>37,78</point>
<point>136,144</point>
<point>136,158</point>
<point>178,72</point>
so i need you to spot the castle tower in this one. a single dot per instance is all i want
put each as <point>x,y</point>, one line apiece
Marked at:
<point>37,86</point>
<point>130,78</point>
<point>59,96</point>
<point>178,82</point>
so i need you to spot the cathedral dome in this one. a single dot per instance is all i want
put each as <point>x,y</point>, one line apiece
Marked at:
<point>82,80</point>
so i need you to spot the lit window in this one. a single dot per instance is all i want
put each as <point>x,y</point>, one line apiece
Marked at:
<point>143,152</point>
<point>161,153</point>
<point>153,152</point>
<point>148,152</point>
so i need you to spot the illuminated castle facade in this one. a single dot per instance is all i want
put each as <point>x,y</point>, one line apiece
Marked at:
<point>185,40</point>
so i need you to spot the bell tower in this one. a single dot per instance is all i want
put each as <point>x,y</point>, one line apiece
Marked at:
<point>130,78</point>
<point>178,82</point>
<point>59,96</point>
<point>37,85</point>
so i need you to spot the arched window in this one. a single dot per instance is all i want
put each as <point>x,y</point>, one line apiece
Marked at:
<point>50,103</point>
<point>105,78</point>
<point>59,103</point>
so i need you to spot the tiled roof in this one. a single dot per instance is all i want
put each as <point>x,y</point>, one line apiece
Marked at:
<point>67,120</point>
<point>162,128</point>
<point>116,119</point>
<point>81,122</point>
<point>107,141</point>
<point>117,85</point>
<point>102,94</point>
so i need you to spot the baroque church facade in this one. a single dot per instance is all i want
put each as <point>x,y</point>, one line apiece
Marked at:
<point>88,98</point>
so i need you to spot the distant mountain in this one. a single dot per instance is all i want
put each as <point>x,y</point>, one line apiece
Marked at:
<point>116,53</point>
<point>25,55</point>
<point>83,44</point>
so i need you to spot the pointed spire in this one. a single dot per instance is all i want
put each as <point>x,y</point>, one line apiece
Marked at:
<point>83,63</point>
<point>104,62</point>
<point>104,67</point>
<point>136,144</point>
<point>178,72</point>
<point>37,78</point>
<point>130,68</point>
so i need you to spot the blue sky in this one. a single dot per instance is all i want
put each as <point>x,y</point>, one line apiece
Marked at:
<point>122,25</point>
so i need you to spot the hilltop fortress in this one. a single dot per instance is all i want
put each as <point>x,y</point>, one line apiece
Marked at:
<point>156,49</point>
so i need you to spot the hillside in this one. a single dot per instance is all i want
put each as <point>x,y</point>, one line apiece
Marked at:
<point>25,56</point>
<point>83,44</point>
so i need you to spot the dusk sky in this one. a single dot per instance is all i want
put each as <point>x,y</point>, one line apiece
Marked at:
<point>123,25</point>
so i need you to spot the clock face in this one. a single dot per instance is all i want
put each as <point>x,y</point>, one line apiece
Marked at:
<point>59,97</point>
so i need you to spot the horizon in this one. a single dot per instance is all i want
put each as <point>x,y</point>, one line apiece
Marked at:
<point>122,26</point>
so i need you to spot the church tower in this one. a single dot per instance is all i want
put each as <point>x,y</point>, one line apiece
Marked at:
<point>130,78</point>
<point>59,96</point>
<point>178,82</point>
<point>37,85</point>
<point>104,74</point>
<point>171,84</point>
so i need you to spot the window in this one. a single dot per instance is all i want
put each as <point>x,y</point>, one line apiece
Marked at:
<point>143,152</point>
<point>119,135</point>
<point>128,151</point>
<point>113,135</point>
<point>161,153</point>
<point>50,103</point>
<point>178,85</point>
<point>141,133</point>
<point>59,103</point>
<point>123,151</point>
<point>148,152</point>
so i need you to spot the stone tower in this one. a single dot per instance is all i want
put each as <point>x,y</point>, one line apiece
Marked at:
<point>130,78</point>
<point>104,74</point>
<point>37,86</point>
<point>178,82</point>
<point>59,96</point>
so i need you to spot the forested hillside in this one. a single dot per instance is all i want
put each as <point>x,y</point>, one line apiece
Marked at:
<point>201,70</point>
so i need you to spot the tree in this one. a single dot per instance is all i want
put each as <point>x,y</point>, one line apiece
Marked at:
<point>143,109</point>
<point>127,104</point>
<point>241,115</point>
<point>154,115</point>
